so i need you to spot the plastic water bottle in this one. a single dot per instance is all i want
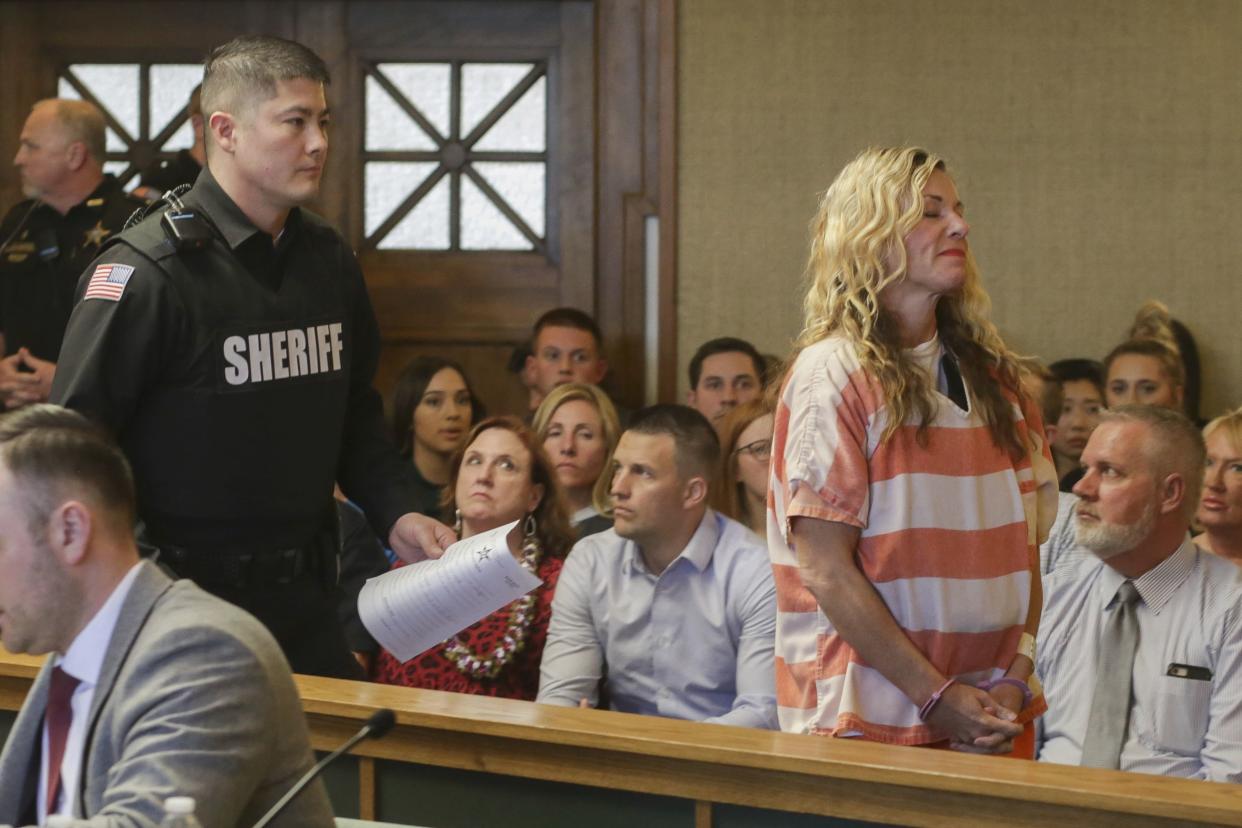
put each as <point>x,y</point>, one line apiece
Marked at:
<point>179,813</point>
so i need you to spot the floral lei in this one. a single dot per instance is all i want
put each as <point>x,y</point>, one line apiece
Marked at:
<point>489,665</point>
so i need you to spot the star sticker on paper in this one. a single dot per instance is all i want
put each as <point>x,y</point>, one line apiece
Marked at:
<point>96,234</point>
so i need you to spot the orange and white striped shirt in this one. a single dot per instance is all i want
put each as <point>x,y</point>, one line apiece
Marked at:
<point>949,538</point>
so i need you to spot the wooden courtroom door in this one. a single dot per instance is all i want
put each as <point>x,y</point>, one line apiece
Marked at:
<point>474,193</point>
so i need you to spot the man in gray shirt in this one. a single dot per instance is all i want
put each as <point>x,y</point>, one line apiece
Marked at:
<point>1140,648</point>
<point>675,605</point>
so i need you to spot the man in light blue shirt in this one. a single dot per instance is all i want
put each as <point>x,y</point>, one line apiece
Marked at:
<point>674,608</point>
<point>1164,697</point>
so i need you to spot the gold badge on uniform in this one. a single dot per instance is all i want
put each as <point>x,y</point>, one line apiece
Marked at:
<point>96,235</point>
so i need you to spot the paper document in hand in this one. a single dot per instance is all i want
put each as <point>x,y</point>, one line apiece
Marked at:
<point>411,609</point>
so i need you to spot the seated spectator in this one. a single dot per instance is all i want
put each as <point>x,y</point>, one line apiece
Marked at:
<point>1147,368</point>
<point>1082,399</point>
<point>724,373</point>
<point>566,346</point>
<point>578,428</point>
<point>154,688</point>
<point>1220,509</point>
<point>746,451</point>
<point>674,608</point>
<point>1140,649</point>
<point>501,476</point>
<point>1041,384</point>
<point>433,410</point>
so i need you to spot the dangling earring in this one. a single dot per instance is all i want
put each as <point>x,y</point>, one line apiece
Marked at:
<point>457,523</point>
<point>530,543</point>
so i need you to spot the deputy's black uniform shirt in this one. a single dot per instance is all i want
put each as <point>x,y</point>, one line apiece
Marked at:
<point>166,174</point>
<point>39,268</point>
<point>238,380</point>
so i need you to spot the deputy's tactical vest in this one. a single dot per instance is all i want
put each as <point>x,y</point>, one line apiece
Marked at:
<point>238,436</point>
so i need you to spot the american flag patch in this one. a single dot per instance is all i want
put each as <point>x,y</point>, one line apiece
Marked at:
<point>108,282</point>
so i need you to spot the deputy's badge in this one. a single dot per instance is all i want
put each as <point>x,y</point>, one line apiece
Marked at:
<point>96,235</point>
<point>108,282</point>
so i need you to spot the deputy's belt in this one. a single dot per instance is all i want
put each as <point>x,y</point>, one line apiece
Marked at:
<point>241,570</point>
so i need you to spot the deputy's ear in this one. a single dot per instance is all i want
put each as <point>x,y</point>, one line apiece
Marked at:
<point>222,127</point>
<point>75,155</point>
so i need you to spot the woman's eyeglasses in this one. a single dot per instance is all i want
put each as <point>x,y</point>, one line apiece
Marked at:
<point>760,449</point>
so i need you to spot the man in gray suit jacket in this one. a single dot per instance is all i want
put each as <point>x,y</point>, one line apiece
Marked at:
<point>165,689</point>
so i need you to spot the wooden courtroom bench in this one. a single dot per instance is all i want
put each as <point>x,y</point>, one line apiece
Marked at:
<point>457,761</point>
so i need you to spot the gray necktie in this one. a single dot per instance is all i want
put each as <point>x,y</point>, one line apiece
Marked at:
<point>1109,724</point>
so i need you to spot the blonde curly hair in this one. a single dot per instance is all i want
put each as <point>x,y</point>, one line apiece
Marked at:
<point>857,251</point>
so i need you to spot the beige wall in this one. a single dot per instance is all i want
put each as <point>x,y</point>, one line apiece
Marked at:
<point>1097,146</point>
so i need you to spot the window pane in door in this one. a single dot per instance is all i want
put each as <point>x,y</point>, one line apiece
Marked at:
<point>521,185</point>
<point>523,127</point>
<point>427,86</point>
<point>426,227</point>
<point>483,226</point>
<point>483,86</point>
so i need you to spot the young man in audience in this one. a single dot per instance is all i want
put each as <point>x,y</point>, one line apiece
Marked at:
<point>566,346</point>
<point>674,609</point>
<point>1140,647</point>
<point>1082,393</point>
<point>724,373</point>
<point>153,688</point>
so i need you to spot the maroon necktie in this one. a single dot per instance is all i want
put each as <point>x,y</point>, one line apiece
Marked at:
<point>58,717</point>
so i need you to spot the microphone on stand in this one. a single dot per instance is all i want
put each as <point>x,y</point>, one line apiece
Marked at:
<point>377,726</point>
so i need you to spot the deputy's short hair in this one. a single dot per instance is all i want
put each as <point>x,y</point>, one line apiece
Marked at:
<point>244,72</point>
<point>1176,446</point>
<point>697,446</point>
<point>80,121</point>
<point>56,454</point>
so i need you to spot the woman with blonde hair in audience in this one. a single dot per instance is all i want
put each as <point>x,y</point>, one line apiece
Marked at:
<point>500,476</point>
<point>1220,507</point>
<point>911,481</point>
<point>745,452</point>
<point>433,409</point>
<point>578,427</point>
<point>1147,368</point>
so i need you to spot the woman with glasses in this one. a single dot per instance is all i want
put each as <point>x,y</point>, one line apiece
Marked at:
<point>746,448</point>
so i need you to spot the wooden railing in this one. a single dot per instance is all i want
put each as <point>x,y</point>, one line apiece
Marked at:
<point>713,768</point>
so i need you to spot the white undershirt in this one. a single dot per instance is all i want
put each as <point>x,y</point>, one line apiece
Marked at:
<point>83,660</point>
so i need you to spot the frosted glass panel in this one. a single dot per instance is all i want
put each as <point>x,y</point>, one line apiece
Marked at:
<point>116,168</point>
<point>388,127</point>
<point>483,227</point>
<point>521,185</point>
<point>523,127</point>
<point>171,85</point>
<point>387,184</point>
<point>113,141</point>
<point>183,138</point>
<point>426,227</point>
<point>483,85</point>
<point>65,90</point>
<point>115,86</point>
<point>427,86</point>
